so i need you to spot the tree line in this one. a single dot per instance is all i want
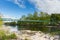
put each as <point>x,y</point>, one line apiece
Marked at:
<point>45,18</point>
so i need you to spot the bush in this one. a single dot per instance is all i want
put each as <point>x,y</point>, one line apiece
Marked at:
<point>12,36</point>
<point>3,35</point>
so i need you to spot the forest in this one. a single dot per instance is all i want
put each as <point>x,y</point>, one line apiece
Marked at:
<point>42,18</point>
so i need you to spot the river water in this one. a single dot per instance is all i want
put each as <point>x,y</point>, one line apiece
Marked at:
<point>12,28</point>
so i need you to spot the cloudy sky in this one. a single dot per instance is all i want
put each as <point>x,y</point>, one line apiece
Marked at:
<point>17,8</point>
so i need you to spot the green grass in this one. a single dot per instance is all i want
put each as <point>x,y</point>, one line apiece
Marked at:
<point>1,22</point>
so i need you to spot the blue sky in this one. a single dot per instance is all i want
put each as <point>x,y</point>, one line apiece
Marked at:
<point>9,9</point>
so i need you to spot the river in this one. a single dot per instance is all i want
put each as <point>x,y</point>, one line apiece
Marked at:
<point>12,28</point>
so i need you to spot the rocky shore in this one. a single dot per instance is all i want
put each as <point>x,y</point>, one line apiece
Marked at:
<point>30,35</point>
<point>35,35</point>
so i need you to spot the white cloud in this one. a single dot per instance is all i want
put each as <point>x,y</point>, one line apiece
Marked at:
<point>7,16</point>
<point>20,3</point>
<point>50,6</point>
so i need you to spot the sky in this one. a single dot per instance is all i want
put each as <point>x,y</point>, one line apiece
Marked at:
<point>17,8</point>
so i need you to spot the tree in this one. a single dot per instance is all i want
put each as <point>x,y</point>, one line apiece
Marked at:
<point>35,16</point>
<point>54,19</point>
<point>45,17</point>
<point>23,17</point>
<point>29,17</point>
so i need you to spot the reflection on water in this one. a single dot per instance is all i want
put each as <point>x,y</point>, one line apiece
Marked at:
<point>33,28</point>
<point>12,28</point>
<point>16,28</point>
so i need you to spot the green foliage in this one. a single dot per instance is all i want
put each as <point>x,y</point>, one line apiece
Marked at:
<point>35,16</point>
<point>29,17</point>
<point>26,39</point>
<point>1,21</point>
<point>10,23</point>
<point>4,36</point>
<point>54,19</point>
<point>2,33</point>
<point>23,17</point>
<point>43,17</point>
<point>12,36</point>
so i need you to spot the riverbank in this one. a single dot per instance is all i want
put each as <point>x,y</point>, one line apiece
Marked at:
<point>29,35</point>
<point>36,35</point>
